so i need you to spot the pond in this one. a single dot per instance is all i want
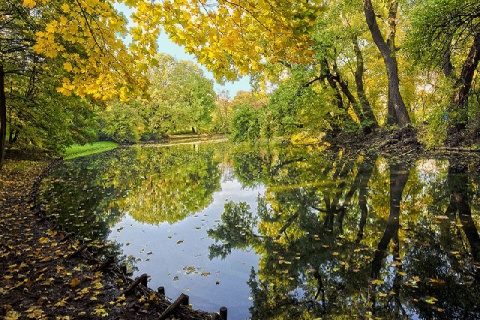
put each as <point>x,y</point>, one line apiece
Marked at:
<point>284,232</point>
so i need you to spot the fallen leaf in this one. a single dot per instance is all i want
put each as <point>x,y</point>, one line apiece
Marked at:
<point>74,282</point>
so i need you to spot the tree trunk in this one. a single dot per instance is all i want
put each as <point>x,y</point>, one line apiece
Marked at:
<point>458,185</point>
<point>331,82</point>
<point>368,115</point>
<point>394,96</point>
<point>398,179</point>
<point>462,87</point>
<point>346,91</point>
<point>342,87</point>
<point>392,118</point>
<point>3,115</point>
<point>365,171</point>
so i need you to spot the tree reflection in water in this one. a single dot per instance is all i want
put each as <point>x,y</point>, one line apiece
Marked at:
<point>365,237</point>
<point>337,235</point>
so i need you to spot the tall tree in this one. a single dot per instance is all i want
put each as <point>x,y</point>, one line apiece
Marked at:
<point>16,55</point>
<point>181,98</point>
<point>396,106</point>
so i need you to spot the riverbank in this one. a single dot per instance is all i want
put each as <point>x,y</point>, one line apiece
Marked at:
<point>48,274</point>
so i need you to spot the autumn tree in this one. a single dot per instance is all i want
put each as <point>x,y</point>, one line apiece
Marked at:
<point>248,109</point>
<point>180,99</point>
<point>17,57</point>
<point>234,38</point>
<point>387,47</point>
<point>80,38</point>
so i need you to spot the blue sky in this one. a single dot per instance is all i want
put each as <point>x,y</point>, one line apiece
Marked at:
<point>168,47</point>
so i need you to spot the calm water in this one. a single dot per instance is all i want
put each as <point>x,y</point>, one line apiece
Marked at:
<point>277,232</point>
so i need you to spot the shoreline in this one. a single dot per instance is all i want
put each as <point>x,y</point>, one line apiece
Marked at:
<point>47,273</point>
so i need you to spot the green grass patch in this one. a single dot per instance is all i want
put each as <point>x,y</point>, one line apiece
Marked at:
<point>76,151</point>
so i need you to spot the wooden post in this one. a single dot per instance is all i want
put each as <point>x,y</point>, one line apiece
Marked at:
<point>144,280</point>
<point>180,300</point>
<point>186,300</point>
<point>140,280</point>
<point>223,313</point>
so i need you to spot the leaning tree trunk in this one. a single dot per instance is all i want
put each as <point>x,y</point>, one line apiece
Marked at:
<point>3,115</point>
<point>462,87</point>
<point>368,115</point>
<point>394,96</point>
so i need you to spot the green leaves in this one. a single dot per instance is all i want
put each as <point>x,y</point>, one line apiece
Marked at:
<point>443,25</point>
<point>245,124</point>
<point>180,99</point>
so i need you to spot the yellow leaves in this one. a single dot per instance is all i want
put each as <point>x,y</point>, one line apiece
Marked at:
<point>35,312</point>
<point>64,91</point>
<point>98,285</point>
<point>107,68</point>
<point>62,303</point>
<point>51,27</point>
<point>131,3</point>
<point>12,315</point>
<point>48,282</point>
<point>241,39</point>
<point>44,240</point>
<point>100,311</point>
<point>65,8</point>
<point>63,21</point>
<point>67,66</point>
<point>29,3</point>
<point>431,300</point>
<point>124,94</point>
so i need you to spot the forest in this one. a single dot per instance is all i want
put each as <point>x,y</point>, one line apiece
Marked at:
<point>75,72</point>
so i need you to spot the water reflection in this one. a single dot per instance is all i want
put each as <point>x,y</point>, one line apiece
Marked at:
<point>364,237</point>
<point>153,185</point>
<point>315,234</point>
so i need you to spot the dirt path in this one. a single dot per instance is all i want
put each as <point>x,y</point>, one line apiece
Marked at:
<point>44,276</point>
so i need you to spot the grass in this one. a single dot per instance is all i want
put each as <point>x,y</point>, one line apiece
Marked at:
<point>76,151</point>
